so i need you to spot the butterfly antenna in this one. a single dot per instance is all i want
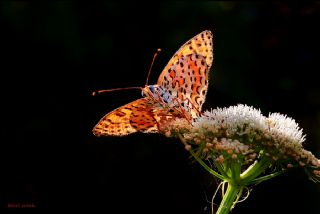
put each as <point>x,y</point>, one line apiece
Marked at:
<point>114,89</point>
<point>129,88</point>
<point>154,57</point>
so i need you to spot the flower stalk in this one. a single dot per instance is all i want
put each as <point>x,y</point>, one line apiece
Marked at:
<point>229,198</point>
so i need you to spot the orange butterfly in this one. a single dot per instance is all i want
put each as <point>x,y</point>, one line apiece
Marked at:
<point>179,93</point>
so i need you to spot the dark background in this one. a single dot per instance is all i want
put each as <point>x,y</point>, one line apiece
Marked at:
<point>54,55</point>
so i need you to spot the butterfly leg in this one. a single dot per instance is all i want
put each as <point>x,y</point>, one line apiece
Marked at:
<point>158,99</point>
<point>182,110</point>
<point>193,106</point>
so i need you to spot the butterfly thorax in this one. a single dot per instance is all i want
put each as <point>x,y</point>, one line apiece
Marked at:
<point>170,105</point>
<point>158,94</point>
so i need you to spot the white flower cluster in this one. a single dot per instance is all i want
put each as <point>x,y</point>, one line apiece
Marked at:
<point>285,127</point>
<point>232,118</point>
<point>248,119</point>
<point>278,136</point>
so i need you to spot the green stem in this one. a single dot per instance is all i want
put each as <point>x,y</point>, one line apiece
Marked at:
<point>200,161</point>
<point>235,171</point>
<point>204,165</point>
<point>255,170</point>
<point>220,168</point>
<point>229,199</point>
<point>264,178</point>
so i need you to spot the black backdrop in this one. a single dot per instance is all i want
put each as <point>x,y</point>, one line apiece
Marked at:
<point>54,55</point>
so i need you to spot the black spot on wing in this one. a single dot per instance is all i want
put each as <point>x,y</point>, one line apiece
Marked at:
<point>198,87</point>
<point>197,100</point>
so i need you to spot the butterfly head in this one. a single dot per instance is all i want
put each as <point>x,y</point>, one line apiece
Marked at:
<point>150,90</point>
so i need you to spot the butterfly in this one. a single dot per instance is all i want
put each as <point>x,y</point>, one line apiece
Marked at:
<point>179,93</point>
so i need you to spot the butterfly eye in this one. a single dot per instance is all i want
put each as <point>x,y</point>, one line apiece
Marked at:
<point>152,89</point>
<point>142,94</point>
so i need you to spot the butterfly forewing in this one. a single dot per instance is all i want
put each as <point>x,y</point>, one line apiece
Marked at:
<point>186,75</point>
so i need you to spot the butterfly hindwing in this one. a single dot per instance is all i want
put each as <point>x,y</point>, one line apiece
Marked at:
<point>132,117</point>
